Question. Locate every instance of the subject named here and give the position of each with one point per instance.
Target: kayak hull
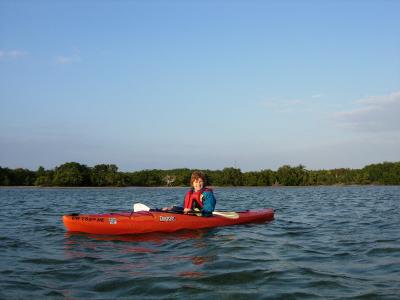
(156, 221)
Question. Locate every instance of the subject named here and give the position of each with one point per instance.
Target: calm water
(325, 243)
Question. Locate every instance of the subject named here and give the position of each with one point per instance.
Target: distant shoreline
(73, 174)
(187, 187)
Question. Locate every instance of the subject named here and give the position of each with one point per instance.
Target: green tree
(4, 176)
(183, 177)
(289, 176)
(72, 174)
(146, 178)
(384, 173)
(250, 178)
(16, 177)
(43, 177)
(231, 177)
(105, 175)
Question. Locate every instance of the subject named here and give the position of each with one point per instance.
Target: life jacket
(193, 199)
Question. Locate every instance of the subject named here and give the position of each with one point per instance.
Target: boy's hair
(196, 175)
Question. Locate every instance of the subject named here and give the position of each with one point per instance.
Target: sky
(199, 84)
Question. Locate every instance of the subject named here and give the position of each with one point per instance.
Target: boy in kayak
(198, 198)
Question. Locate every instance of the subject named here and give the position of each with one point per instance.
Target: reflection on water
(155, 237)
(129, 254)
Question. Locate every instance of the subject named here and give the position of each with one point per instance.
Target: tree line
(73, 174)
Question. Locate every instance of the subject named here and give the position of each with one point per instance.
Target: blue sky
(199, 84)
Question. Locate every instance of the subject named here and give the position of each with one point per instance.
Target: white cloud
(16, 53)
(317, 96)
(306, 104)
(375, 114)
(63, 60)
(283, 105)
(12, 54)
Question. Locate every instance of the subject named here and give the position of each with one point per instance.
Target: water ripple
(325, 243)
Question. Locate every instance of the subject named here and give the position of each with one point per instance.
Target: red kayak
(158, 221)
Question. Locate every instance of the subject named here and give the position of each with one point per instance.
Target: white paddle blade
(227, 214)
(140, 207)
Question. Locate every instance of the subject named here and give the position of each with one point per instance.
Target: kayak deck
(156, 221)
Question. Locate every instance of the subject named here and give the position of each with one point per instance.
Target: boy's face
(198, 184)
